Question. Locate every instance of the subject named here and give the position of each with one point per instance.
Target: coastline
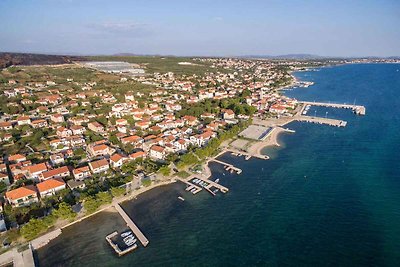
(270, 141)
(44, 239)
(255, 150)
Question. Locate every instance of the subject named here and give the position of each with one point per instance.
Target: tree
(246, 93)
(117, 191)
(3, 186)
(79, 152)
(91, 204)
(104, 197)
(36, 226)
(64, 211)
(102, 120)
(165, 170)
(114, 139)
(129, 167)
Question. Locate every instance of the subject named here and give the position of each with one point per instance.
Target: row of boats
(128, 238)
(306, 109)
(199, 182)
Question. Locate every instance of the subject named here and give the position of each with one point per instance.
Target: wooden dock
(142, 238)
(359, 110)
(191, 186)
(228, 166)
(236, 152)
(210, 183)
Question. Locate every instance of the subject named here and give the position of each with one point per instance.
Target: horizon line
(120, 54)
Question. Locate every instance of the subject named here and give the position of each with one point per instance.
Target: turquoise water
(328, 197)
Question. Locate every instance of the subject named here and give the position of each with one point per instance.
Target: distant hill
(288, 56)
(8, 59)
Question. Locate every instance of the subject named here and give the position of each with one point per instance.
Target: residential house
(34, 171)
(39, 123)
(16, 158)
(157, 152)
(133, 139)
(228, 114)
(96, 127)
(100, 150)
(50, 187)
(4, 178)
(202, 139)
(63, 132)
(99, 166)
(60, 172)
(23, 120)
(137, 155)
(181, 145)
(6, 125)
(57, 118)
(81, 173)
(116, 160)
(72, 184)
(57, 159)
(23, 196)
(77, 129)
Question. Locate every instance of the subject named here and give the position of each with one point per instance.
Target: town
(75, 136)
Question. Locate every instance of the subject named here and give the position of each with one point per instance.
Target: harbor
(358, 109)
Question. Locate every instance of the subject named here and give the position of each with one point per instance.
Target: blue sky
(202, 27)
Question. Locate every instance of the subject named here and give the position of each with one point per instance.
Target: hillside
(8, 59)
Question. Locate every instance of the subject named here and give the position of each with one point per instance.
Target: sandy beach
(271, 140)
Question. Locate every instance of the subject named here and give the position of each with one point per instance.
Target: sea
(327, 197)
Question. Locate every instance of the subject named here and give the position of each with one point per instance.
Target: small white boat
(181, 198)
(130, 237)
(126, 234)
(217, 180)
(130, 242)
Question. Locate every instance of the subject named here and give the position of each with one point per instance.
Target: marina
(359, 110)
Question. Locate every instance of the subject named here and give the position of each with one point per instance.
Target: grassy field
(58, 74)
(162, 64)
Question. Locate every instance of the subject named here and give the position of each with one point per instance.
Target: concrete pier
(142, 238)
(359, 110)
(319, 120)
